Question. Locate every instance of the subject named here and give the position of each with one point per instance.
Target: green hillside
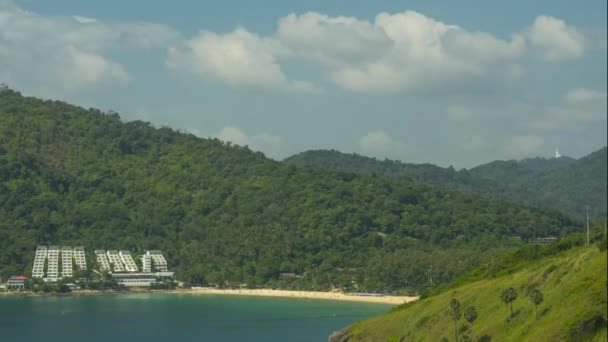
(222, 213)
(564, 184)
(573, 284)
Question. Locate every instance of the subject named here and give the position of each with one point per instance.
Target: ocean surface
(159, 317)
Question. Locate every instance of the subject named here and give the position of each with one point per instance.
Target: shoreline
(335, 296)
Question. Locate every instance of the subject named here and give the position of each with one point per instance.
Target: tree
(509, 295)
(536, 296)
(470, 314)
(455, 313)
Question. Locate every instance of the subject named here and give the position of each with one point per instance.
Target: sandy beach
(394, 300)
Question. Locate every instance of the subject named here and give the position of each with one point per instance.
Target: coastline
(335, 296)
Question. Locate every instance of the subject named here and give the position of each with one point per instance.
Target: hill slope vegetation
(572, 283)
(564, 184)
(224, 214)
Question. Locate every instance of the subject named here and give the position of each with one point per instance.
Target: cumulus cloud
(69, 52)
(332, 40)
(239, 58)
(379, 143)
(578, 108)
(376, 140)
(268, 143)
(429, 54)
(556, 41)
(524, 145)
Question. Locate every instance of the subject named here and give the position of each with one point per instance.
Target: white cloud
(524, 146)
(579, 108)
(429, 54)
(376, 140)
(557, 41)
(332, 40)
(379, 143)
(239, 58)
(84, 20)
(270, 144)
(69, 53)
(581, 95)
(88, 68)
(233, 135)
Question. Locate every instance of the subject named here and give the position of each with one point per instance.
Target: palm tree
(455, 313)
(470, 314)
(536, 296)
(509, 295)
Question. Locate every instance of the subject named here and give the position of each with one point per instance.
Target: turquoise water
(157, 317)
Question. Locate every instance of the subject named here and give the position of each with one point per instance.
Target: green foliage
(470, 314)
(455, 313)
(561, 184)
(574, 305)
(536, 296)
(508, 296)
(225, 214)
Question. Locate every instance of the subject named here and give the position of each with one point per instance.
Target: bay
(169, 317)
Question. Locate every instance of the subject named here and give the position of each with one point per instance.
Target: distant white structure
(81, 261)
(52, 273)
(66, 262)
(39, 261)
(557, 155)
(115, 261)
(102, 260)
(146, 261)
(126, 258)
(160, 264)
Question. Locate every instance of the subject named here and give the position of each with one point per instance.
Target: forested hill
(565, 184)
(72, 176)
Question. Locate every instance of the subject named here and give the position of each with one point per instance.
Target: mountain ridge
(565, 184)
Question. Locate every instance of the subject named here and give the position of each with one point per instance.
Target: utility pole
(587, 207)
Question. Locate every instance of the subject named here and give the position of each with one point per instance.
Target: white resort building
(66, 262)
(39, 261)
(160, 264)
(120, 264)
(46, 262)
(102, 260)
(52, 273)
(126, 258)
(79, 258)
(115, 261)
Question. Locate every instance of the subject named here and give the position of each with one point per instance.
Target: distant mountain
(223, 213)
(565, 184)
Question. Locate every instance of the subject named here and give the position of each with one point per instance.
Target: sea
(176, 317)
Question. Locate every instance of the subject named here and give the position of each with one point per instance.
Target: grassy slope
(575, 290)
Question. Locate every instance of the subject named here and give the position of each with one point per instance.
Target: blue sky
(418, 81)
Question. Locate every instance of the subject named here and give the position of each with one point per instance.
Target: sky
(450, 83)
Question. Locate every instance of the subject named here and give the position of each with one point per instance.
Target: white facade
(127, 260)
(52, 273)
(115, 261)
(39, 261)
(102, 260)
(146, 261)
(160, 263)
(66, 262)
(79, 258)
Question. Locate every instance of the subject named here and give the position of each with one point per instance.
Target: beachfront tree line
(224, 214)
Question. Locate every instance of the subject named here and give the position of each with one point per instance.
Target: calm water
(144, 317)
